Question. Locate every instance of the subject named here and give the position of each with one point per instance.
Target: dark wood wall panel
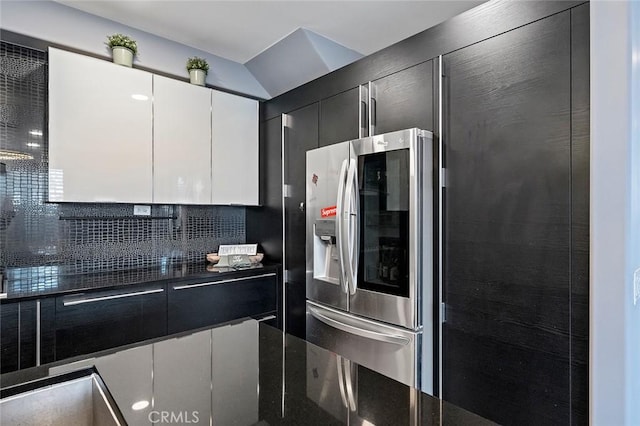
(487, 20)
(580, 214)
(507, 234)
(264, 223)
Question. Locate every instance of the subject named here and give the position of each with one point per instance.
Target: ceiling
(240, 30)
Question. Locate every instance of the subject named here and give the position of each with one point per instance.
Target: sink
(78, 398)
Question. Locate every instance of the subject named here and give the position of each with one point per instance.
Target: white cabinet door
(234, 149)
(181, 142)
(100, 123)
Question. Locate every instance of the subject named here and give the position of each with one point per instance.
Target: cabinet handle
(267, 318)
(38, 333)
(114, 296)
(373, 93)
(188, 286)
(363, 114)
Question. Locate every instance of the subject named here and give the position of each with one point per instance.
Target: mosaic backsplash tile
(83, 238)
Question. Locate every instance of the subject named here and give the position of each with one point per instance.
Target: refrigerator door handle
(348, 375)
(340, 242)
(395, 339)
(350, 232)
(343, 394)
(355, 221)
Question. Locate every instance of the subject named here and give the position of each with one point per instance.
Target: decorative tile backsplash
(82, 237)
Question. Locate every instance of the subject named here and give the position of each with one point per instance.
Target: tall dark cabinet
(264, 223)
(507, 213)
(515, 112)
(300, 136)
(580, 116)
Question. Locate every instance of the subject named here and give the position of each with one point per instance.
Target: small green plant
(197, 63)
(121, 40)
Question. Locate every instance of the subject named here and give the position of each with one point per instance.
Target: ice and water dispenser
(326, 260)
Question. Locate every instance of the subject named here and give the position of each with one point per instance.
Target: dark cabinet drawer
(202, 304)
(95, 321)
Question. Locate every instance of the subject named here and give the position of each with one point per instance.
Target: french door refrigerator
(369, 273)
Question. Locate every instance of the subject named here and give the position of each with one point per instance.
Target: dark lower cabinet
(91, 322)
(9, 340)
(191, 306)
(17, 335)
(83, 323)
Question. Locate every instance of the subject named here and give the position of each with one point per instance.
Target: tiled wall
(84, 237)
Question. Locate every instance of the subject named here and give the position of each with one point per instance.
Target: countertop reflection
(248, 373)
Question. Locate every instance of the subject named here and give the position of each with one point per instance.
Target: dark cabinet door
(9, 340)
(100, 320)
(508, 225)
(197, 305)
(264, 223)
(301, 135)
(404, 99)
(339, 117)
(28, 334)
(17, 335)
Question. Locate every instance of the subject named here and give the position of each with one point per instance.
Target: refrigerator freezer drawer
(388, 350)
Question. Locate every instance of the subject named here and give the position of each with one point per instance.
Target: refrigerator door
(326, 176)
(388, 350)
(394, 201)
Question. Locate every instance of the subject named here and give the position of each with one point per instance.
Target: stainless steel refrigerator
(369, 273)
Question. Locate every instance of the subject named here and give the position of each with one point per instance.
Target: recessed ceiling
(240, 30)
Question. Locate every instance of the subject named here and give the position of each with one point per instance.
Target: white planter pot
(122, 56)
(197, 77)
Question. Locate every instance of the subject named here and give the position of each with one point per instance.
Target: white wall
(615, 213)
(67, 26)
(633, 237)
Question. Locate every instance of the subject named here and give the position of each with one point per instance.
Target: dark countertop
(39, 281)
(247, 373)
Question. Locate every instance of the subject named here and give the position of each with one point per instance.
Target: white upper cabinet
(100, 131)
(234, 149)
(121, 135)
(181, 142)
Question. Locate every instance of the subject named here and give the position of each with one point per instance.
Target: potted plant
(123, 49)
(198, 69)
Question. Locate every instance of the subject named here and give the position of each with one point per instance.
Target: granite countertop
(246, 373)
(38, 281)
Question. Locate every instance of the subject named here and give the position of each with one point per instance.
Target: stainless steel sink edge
(77, 397)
